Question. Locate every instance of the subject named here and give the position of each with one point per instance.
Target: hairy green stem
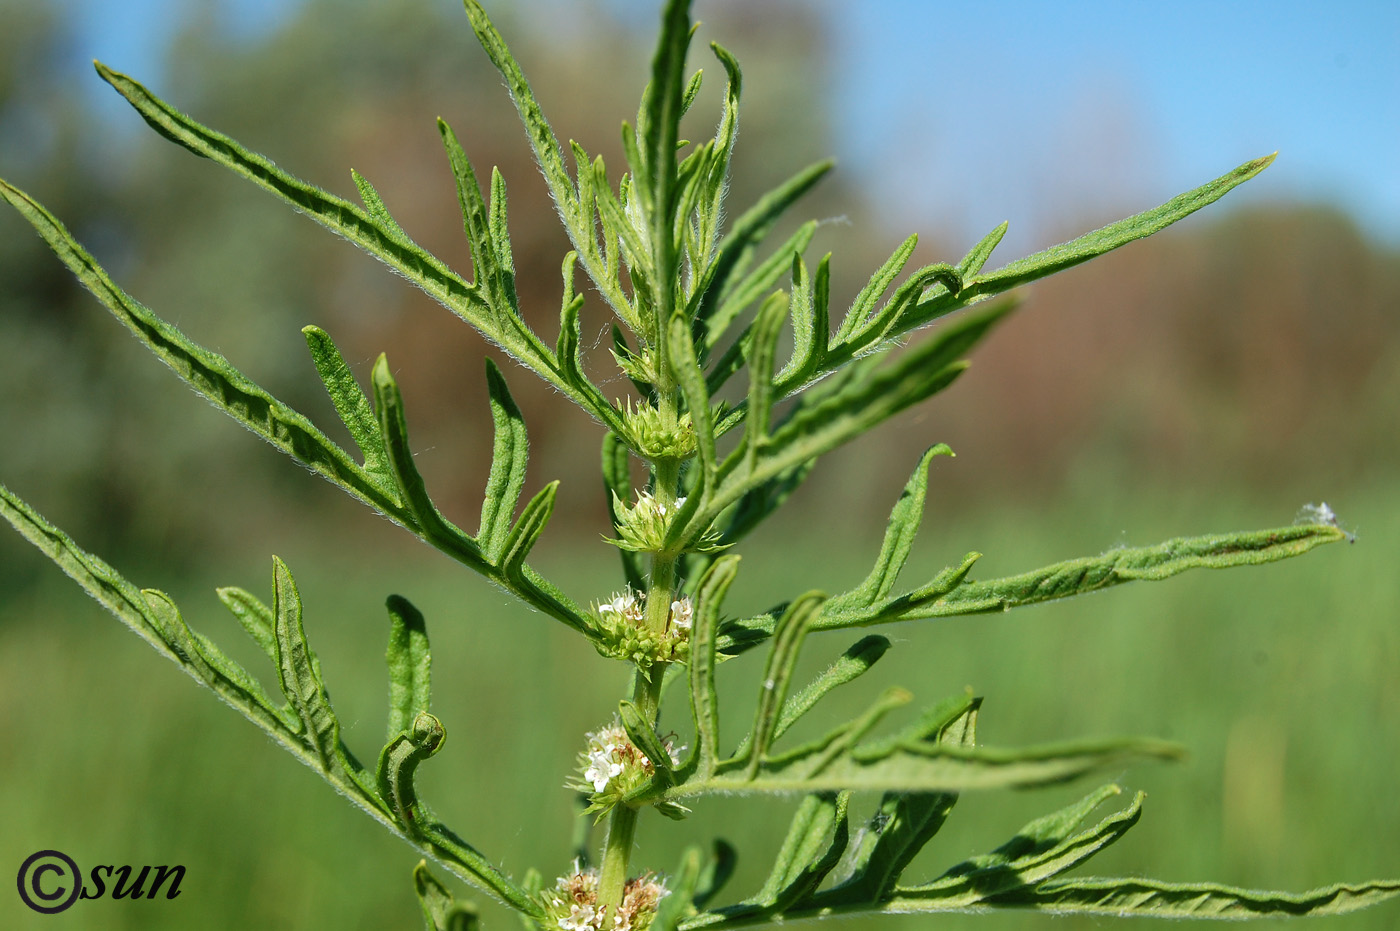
(646, 691)
(617, 850)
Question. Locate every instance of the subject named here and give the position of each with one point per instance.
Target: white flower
(602, 767)
(627, 606)
(581, 918)
(607, 748)
(681, 612)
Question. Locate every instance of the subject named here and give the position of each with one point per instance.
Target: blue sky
(1046, 114)
(1143, 98)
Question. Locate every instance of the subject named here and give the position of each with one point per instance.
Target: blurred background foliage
(1215, 377)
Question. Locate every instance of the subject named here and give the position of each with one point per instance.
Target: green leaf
(849, 666)
(209, 664)
(645, 739)
(387, 244)
(548, 152)
(814, 844)
(978, 255)
(863, 396)
(398, 762)
(1094, 573)
(300, 673)
(527, 530)
(949, 596)
(153, 617)
(712, 186)
(762, 349)
(839, 761)
(901, 606)
(678, 903)
(704, 703)
(692, 90)
(477, 222)
(491, 313)
(599, 253)
(879, 325)
(207, 372)
(566, 348)
(1068, 254)
(620, 232)
(350, 402)
(903, 525)
(1108, 238)
(1043, 849)
(500, 235)
(782, 658)
(906, 821)
(879, 283)
(426, 518)
(568, 354)
(509, 457)
(810, 326)
(1153, 898)
(744, 236)
(410, 665)
(441, 912)
(214, 377)
(617, 486)
(750, 288)
(686, 369)
(375, 205)
(257, 618)
(664, 104)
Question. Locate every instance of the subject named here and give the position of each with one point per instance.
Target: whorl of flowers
(611, 766)
(623, 633)
(572, 905)
(653, 439)
(642, 528)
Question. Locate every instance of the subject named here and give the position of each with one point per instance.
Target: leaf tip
(1253, 167)
(382, 377)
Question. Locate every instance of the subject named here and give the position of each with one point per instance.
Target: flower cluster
(642, 528)
(572, 905)
(655, 440)
(623, 633)
(612, 766)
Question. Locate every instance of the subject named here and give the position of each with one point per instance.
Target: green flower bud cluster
(654, 439)
(642, 528)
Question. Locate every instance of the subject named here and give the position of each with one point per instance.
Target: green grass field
(1281, 681)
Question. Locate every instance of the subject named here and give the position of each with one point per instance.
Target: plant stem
(646, 695)
(617, 850)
